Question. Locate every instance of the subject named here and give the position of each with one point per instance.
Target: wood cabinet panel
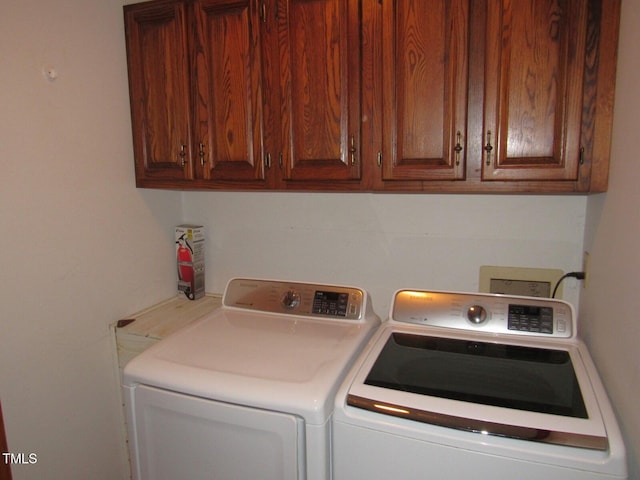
(228, 90)
(425, 78)
(319, 46)
(159, 85)
(535, 54)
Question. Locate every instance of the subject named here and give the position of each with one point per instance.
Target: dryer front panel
(180, 436)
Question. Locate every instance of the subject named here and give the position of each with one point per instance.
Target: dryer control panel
(485, 312)
(295, 298)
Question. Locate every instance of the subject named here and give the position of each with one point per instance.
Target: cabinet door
(319, 44)
(157, 46)
(425, 65)
(229, 98)
(534, 67)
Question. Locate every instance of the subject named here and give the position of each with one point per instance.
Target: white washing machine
(248, 391)
(463, 385)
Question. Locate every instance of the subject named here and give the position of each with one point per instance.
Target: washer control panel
(295, 298)
(486, 312)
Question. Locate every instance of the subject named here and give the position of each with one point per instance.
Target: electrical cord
(578, 275)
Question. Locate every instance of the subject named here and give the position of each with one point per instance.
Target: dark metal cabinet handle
(352, 150)
(182, 155)
(488, 147)
(201, 154)
(458, 148)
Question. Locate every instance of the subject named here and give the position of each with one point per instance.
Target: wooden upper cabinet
(196, 83)
(159, 86)
(319, 72)
(425, 81)
(461, 96)
(228, 107)
(534, 75)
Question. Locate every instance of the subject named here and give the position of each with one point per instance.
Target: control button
(290, 299)
(476, 314)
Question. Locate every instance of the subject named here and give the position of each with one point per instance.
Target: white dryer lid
(277, 362)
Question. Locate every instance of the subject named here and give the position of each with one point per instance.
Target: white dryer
(247, 392)
(465, 385)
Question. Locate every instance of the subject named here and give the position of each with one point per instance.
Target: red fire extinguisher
(185, 265)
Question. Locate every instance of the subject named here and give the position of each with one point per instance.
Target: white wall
(384, 241)
(610, 299)
(81, 247)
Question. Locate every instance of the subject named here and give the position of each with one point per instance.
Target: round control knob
(476, 314)
(290, 300)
